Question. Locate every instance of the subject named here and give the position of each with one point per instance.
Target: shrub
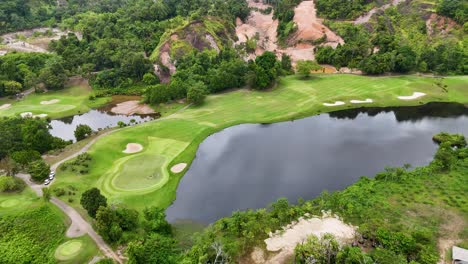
(91, 200)
(82, 132)
(39, 170)
(196, 94)
(11, 184)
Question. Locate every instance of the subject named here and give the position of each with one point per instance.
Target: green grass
(76, 250)
(176, 139)
(72, 100)
(32, 230)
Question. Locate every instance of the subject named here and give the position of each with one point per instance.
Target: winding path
(79, 226)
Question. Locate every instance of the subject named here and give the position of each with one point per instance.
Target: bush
(39, 170)
(91, 200)
(11, 184)
(196, 94)
(59, 192)
(82, 132)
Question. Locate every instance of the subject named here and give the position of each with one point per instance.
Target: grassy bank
(72, 100)
(32, 230)
(175, 139)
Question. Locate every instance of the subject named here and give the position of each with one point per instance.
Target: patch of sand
(178, 168)
(309, 27)
(5, 106)
(337, 103)
(367, 101)
(53, 101)
(366, 17)
(40, 115)
(297, 232)
(131, 108)
(26, 114)
(133, 148)
(415, 95)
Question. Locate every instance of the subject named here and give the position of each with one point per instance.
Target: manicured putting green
(139, 172)
(68, 250)
(9, 203)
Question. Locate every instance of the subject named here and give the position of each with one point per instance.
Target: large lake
(252, 165)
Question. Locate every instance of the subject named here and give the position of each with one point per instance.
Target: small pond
(101, 118)
(252, 165)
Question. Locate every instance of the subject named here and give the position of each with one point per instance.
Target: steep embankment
(208, 33)
(310, 32)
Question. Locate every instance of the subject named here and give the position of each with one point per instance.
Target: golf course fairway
(54, 104)
(144, 179)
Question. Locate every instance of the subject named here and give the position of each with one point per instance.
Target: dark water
(97, 119)
(252, 165)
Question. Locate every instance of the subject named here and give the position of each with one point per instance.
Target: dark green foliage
(196, 93)
(91, 200)
(455, 9)
(352, 255)
(111, 223)
(20, 71)
(11, 184)
(53, 74)
(24, 157)
(78, 165)
(82, 131)
(105, 261)
(337, 9)
(31, 236)
(17, 134)
(155, 221)
(155, 248)
(39, 170)
(265, 70)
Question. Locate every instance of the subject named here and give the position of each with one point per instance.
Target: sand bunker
(334, 104)
(415, 95)
(26, 114)
(133, 148)
(178, 168)
(367, 101)
(5, 106)
(53, 101)
(300, 231)
(131, 108)
(29, 114)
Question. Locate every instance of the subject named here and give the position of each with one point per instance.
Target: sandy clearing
(309, 27)
(41, 115)
(367, 101)
(178, 168)
(53, 101)
(298, 232)
(337, 103)
(132, 107)
(415, 95)
(133, 148)
(5, 106)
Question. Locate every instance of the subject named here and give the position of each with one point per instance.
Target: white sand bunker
(412, 97)
(367, 101)
(26, 114)
(131, 108)
(298, 232)
(29, 114)
(133, 148)
(5, 106)
(178, 168)
(53, 101)
(337, 103)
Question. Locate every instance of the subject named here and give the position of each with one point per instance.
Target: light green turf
(72, 100)
(68, 250)
(17, 202)
(176, 139)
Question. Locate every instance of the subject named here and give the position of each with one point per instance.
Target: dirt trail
(366, 17)
(450, 230)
